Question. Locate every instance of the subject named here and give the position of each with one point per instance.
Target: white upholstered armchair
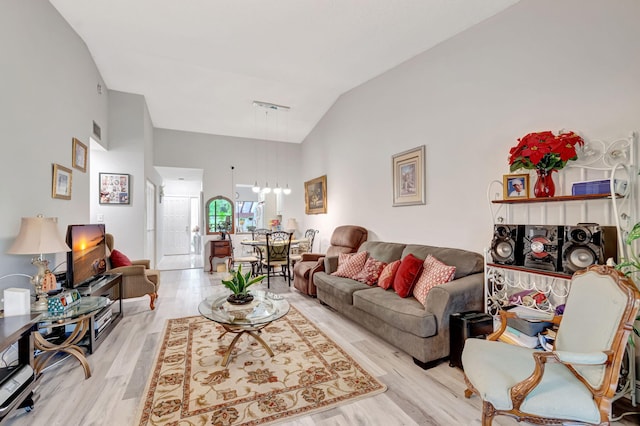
(577, 380)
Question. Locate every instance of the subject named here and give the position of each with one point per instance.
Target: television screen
(87, 257)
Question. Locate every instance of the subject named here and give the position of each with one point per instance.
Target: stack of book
(526, 329)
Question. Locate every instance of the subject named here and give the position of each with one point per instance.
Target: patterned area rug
(308, 373)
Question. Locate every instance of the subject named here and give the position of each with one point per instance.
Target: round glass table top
(265, 307)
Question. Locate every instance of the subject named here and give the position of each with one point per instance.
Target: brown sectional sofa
(421, 331)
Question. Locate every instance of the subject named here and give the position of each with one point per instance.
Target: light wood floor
(122, 364)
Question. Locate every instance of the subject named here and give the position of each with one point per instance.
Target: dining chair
(305, 245)
(246, 258)
(278, 250)
(259, 234)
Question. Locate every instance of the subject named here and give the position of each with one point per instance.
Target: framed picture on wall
(79, 157)
(61, 182)
(515, 186)
(408, 169)
(114, 188)
(315, 195)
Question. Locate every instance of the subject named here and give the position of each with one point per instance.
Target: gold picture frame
(315, 195)
(511, 192)
(61, 182)
(409, 177)
(79, 156)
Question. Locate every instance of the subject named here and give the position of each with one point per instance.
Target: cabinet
(614, 160)
(220, 249)
(17, 329)
(101, 324)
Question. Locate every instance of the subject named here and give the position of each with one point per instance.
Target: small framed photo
(409, 177)
(315, 195)
(79, 155)
(114, 188)
(515, 187)
(61, 182)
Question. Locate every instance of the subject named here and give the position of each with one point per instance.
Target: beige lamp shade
(292, 225)
(38, 235)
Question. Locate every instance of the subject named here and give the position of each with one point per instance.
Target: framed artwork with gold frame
(315, 195)
(79, 155)
(515, 187)
(409, 181)
(61, 182)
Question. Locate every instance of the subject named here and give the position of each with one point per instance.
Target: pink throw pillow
(350, 264)
(385, 280)
(119, 259)
(433, 274)
(407, 274)
(371, 271)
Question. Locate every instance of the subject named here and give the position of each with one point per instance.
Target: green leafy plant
(630, 266)
(239, 282)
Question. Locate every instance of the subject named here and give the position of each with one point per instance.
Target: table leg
(69, 345)
(225, 359)
(262, 342)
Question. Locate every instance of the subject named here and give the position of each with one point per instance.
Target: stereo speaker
(541, 247)
(506, 246)
(587, 244)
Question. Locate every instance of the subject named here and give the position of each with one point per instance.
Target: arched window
(219, 214)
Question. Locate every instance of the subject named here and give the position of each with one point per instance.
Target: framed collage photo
(515, 187)
(114, 188)
(409, 181)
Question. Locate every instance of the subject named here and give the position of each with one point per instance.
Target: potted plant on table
(238, 284)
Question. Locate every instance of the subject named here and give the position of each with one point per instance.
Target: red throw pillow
(370, 272)
(408, 272)
(385, 280)
(119, 259)
(433, 274)
(350, 264)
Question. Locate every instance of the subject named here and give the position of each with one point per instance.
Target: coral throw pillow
(371, 271)
(433, 274)
(408, 272)
(350, 264)
(118, 259)
(385, 280)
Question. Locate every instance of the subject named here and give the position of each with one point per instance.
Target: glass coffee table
(249, 318)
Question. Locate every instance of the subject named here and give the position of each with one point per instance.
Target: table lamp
(39, 235)
(292, 225)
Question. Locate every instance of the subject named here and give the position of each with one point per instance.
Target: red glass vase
(544, 186)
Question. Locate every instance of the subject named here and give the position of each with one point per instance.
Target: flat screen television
(87, 258)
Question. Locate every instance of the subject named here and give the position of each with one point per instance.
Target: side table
(79, 316)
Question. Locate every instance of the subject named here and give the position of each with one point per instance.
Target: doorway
(181, 218)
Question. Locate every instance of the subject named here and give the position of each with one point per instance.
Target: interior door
(150, 235)
(176, 235)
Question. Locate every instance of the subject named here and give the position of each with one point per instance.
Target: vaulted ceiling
(200, 64)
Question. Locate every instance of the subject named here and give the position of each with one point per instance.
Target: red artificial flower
(544, 150)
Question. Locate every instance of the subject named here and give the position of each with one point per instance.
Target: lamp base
(40, 304)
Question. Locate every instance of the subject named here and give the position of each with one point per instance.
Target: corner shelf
(559, 198)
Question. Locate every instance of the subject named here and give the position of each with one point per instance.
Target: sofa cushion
(466, 262)
(370, 272)
(433, 273)
(386, 252)
(338, 287)
(119, 259)
(385, 280)
(404, 314)
(408, 272)
(350, 264)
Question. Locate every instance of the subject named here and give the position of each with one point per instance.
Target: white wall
(48, 83)
(252, 159)
(539, 65)
(130, 141)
